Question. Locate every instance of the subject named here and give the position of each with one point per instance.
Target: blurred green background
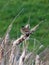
(38, 10)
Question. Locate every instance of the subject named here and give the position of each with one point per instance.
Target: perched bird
(25, 29)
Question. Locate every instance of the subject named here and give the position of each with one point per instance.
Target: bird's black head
(22, 26)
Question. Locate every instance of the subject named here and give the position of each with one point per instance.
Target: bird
(25, 29)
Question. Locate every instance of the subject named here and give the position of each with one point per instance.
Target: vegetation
(38, 10)
(34, 49)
